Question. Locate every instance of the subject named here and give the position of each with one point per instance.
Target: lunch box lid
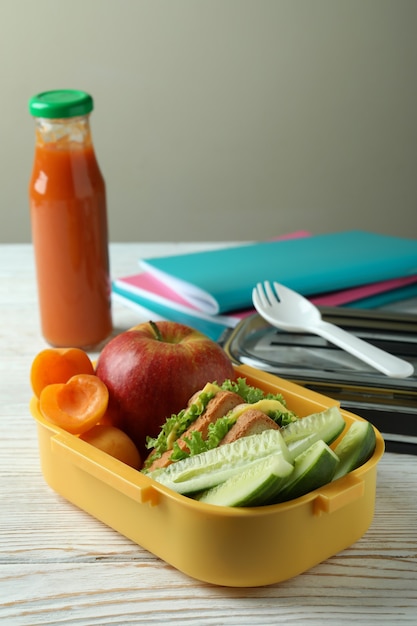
(389, 403)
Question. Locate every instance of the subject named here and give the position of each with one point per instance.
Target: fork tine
(266, 290)
(271, 295)
(258, 295)
(278, 289)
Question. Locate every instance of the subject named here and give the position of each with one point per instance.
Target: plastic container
(239, 547)
(69, 222)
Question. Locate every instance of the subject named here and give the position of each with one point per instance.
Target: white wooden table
(60, 566)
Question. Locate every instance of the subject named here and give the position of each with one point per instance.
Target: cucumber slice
(299, 445)
(210, 468)
(253, 486)
(355, 448)
(313, 468)
(326, 425)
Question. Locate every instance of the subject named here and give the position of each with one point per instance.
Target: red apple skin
(149, 379)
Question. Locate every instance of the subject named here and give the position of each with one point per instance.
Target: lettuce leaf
(175, 426)
(196, 444)
(281, 418)
(249, 393)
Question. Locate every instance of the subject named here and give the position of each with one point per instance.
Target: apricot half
(58, 365)
(77, 405)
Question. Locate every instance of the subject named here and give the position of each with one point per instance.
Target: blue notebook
(218, 281)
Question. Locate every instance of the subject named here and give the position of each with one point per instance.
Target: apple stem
(156, 331)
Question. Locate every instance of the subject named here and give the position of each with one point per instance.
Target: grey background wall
(223, 119)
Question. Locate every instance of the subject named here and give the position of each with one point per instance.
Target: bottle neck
(63, 134)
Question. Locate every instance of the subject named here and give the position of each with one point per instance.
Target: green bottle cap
(61, 103)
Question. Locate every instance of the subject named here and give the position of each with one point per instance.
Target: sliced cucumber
(313, 468)
(210, 468)
(299, 445)
(254, 486)
(326, 425)
(355, 448)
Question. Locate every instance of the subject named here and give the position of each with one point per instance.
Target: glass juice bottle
(69, 222)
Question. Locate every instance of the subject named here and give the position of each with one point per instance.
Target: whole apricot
(115, 442)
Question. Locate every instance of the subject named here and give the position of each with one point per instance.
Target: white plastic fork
(288, 310)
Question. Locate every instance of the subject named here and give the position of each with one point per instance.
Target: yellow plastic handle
(105, 468)
(336, 495)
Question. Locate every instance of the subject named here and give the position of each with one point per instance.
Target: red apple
(152, 370)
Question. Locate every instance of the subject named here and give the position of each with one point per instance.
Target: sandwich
(214, 416)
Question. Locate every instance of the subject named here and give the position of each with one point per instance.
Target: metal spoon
(288, 310)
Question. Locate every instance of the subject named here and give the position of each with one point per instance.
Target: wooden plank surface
(58, 565)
